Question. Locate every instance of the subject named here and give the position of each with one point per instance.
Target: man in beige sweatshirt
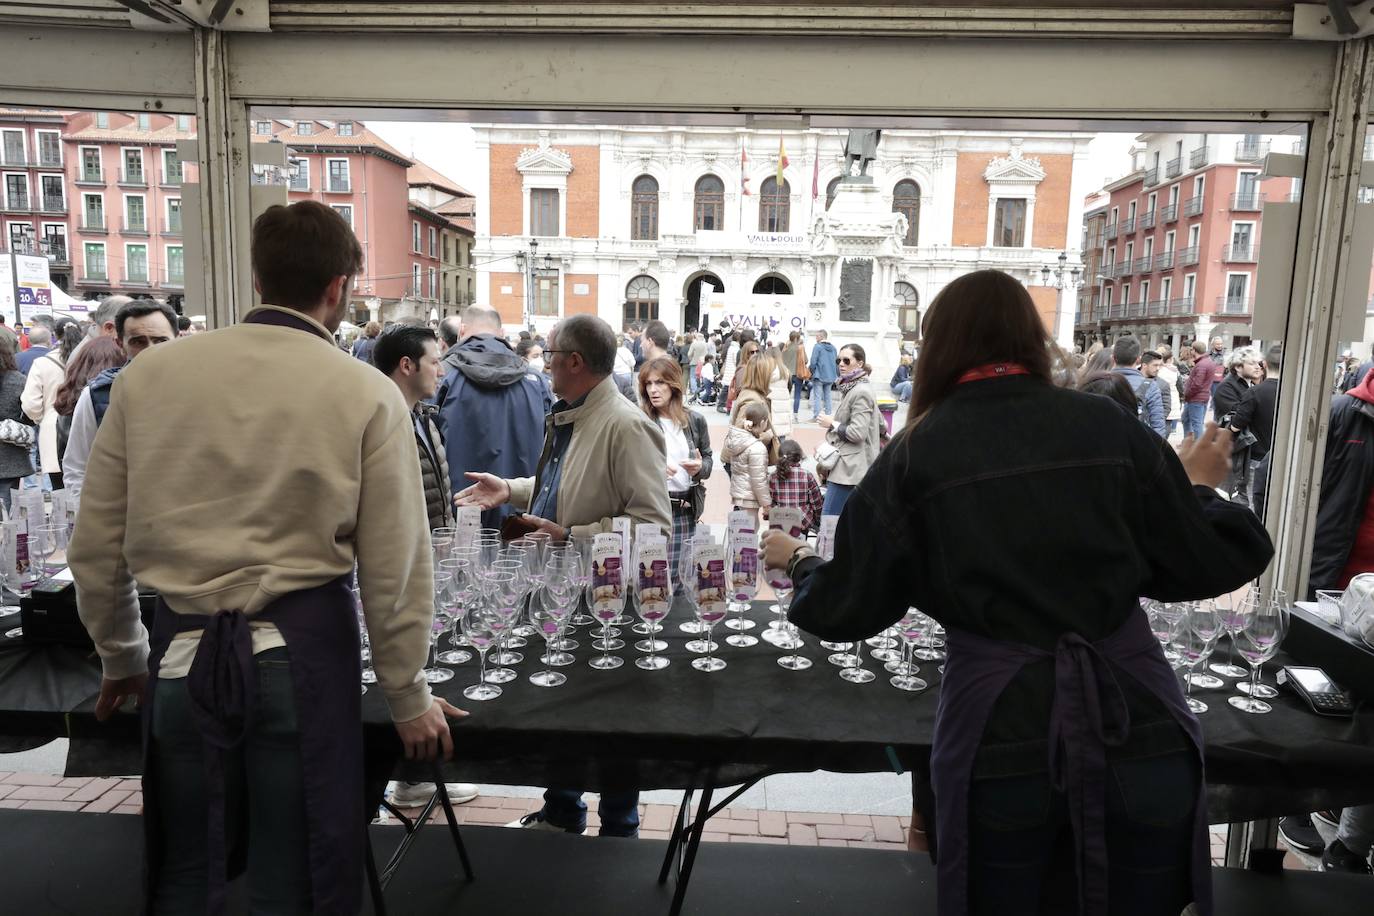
(240, 474)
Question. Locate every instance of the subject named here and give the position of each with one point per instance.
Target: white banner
(32, 287)
(779, 314)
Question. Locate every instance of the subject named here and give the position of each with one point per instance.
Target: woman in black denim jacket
(1014, 512)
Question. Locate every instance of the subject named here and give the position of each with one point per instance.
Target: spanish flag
(782, 160)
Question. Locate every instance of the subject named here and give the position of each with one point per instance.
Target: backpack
(1141, 413)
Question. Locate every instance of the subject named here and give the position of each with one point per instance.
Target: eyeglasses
(548, 352)
(845, 361)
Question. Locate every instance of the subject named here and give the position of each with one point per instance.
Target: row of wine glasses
(1188, 632)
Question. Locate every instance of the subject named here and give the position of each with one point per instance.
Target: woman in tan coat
(40, 392)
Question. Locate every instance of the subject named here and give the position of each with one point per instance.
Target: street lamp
(530, 265)
(1062, 278)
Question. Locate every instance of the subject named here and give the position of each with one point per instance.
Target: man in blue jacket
(824, 371)
(491, 407)
(1126, 356)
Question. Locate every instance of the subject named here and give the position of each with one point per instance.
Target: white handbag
(827, 456)
(12, 432)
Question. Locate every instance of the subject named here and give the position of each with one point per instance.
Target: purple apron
(320, 628)
(1089, 714)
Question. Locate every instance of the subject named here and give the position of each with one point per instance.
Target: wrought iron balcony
(1110, 231)
(1147, 219)
(54, 205)
(1164, 261)
(1168, 214)
(1128, 226)
(1187, 256)
(1181, 306)
(1234, 305)
(1197, 158)
(94, 179)
(1247, 200)
(1251, 149)
(1192, 206)
(1157, 307)
(1142, 265)
(1125, 268)
(1174, 167)
(171, 226)
(1240, 254)
(93, 223)
(16, 202)
(1151, 177)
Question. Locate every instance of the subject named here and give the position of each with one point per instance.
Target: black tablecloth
(681, 727)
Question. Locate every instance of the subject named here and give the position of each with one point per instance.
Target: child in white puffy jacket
(750, 447)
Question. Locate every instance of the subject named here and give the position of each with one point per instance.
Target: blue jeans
(1356, 831)
(820, 391)
(1194, 416)
(1021, 855)
(619, 811)
(693, 383)
(797, 386)
(264, 796)
(1169, 427)
(836, 495)
(903, 391)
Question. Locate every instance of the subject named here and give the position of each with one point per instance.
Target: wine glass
(790, 640)
(460, 597)
(1206, 618)
(482, 636)
(503, 603)
(709, 600)
(580, 553)
(910, 629)
(442, 541)
(548, 620)
(651, 612)
(1260, 690)
(684, 572)
(1193, 640)
(45, 543)
(930, 644)
(856, 673)
(443, 599)
(561, 594)
(1232, 619)
(607, 600)
(688, 576)
(742, 561)
(1265, 627)
(369, 676)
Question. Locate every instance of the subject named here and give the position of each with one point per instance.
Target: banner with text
(32, 288)
(779, 314)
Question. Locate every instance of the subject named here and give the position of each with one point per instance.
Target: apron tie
(222, 682)
(1089, 715)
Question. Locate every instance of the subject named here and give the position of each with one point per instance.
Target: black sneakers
(1300, 834)
(1338, 858)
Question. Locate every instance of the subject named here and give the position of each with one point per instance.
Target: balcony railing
(1157, 307)
(14, 159)
(1151, 176)
(1125, 268)
(1174, 167)
(1142, 265)
(1181, 306)
(136, 227)
(1251, 150)
(1192, 206)
(54, 205)
(1164, 261)
(1136, 309)
(92, 223)
(135, 279)
(49, 162)
(1240, 254)
(1187, 256)
(175, 279)
(1233, 305)
(102, 275)
(1168, 214)
(135, 179)
(17, 202)
(1197, 158)
(1247, 200)
(171, 226)
(1147, 219)
(92, 178)
(1110, 231)
(1128, 226)
(335, 186)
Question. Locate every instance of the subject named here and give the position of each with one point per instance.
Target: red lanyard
(993, 370)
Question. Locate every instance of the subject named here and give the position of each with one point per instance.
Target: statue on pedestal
(861, 146)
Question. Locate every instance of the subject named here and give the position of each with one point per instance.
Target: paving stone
(41, 793)
(34, 779)
(10, 803)
(888, 830)
(801, 835)
(767, 840)
(655, 834)
(773, 823)
(129, 809)
(490, 816)
(742, 814)
(93, 790)
(53, 805)
(843, 832)
(868, 844)
(6, 789)
(715, 837)
(843, 843)
(858, 820)
(657, 818)
(75, 782)
(720, 824)
(107, 802)
(814, 817)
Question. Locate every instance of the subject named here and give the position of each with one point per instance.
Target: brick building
(445, 205)
(628, 221)
(124, 183)
(34, 203)
(1182, 237)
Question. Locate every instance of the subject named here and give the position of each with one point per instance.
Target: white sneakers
(534, 822)
(416, 794)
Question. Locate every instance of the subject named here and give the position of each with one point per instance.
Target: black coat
(1256, 413)
(700, 439)
(1228, 396)
(1347, 476)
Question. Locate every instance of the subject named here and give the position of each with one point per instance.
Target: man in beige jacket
(602, 458)
(241, 474)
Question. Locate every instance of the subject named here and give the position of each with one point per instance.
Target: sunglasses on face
(845, 360)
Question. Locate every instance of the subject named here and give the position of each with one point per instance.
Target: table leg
(442, 793)
(412, 829)
(690, 855)
(676, 838)
(374, 882)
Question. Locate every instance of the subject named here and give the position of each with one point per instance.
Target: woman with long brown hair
(95, 357)
(687, 442)
(755, 378)
(1010, 510)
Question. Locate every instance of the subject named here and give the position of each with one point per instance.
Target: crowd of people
(371, 444)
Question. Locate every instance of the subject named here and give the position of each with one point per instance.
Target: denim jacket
(1021, 512)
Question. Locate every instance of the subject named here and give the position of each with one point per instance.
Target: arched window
(906, 200)
(774, 205)
(830, 190)
(709, 209)
(644, 208)
(908, 313)
(641, 299)
(772, 285)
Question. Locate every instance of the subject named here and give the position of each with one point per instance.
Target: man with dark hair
(492, 406)
(1149, 407)
(1151, 362)
(654, 343)
(139, 324)
(450, 332)
(611, 457)
(1198, 390)
(242, 475)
